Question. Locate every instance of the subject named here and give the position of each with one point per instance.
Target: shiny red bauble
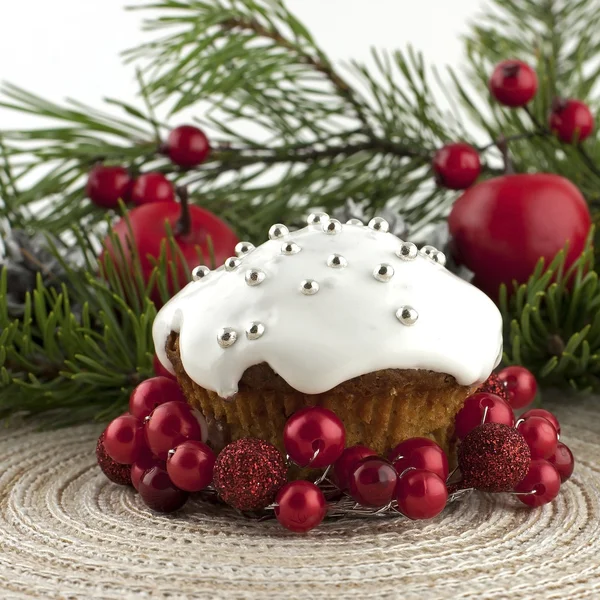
(314, 436)
(208, 236)
(124, 439)
(187, 146)
(521, 385)
(476, 406)
(347, 462)
(456, 166)
(159, 493)
(300, 506)
(421, 494)
(143, 463)
(540, 435)
(541, 484)
(160, 370)
(373, 482)
(152, 393)
(420, 453)
(171, 424)
(563, 460)
(107, 185)
(116, 472)
(497, 231)
(542, 412)
(571, 120)
(190, 466)
(513, 83)
(152, 187)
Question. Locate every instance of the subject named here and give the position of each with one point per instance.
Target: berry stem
(184, 223)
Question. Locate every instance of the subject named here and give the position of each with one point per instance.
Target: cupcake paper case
(348, 317)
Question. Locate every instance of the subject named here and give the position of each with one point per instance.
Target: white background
(70, 48)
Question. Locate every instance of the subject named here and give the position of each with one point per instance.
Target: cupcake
(348, 317)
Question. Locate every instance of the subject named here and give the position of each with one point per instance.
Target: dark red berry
(107, 185)
(571, 120)
(563, 460)
(187, 146)
(513, 83)
(456, 166)
(344, 466)
(152, 187)
(124, 439)
(159, 493)
(373, 482)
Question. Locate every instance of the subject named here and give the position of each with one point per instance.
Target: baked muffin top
(328, 303)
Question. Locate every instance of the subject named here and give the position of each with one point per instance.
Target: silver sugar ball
(317, 218)
(232, 263)
(428, 250)
(309, 287)
(383, 272)
(200, 272)
(332, 227)
(379, 224)
(243, 248)
(254, 277)
(278, 231)
(407, 251)
(356, 222)
(407, 315)
(438, 257)
(290, 248)
(226, 337)
(255, 330)
(336, 261)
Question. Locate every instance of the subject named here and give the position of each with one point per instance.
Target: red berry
(471, 414)
(420, 453)
(456, 166)
(346, 463)
(113, 470)
(314, 432)
(152, 187)
(187, 146)
(513, 83)
(543, 479)
(563, 460)
(300, 506)
(190, 466)
(546, 414)
(159, 493)
(421, 494)
(496, 233)
(571, 120)
(540, 435)
(160, 370)
(171, 424)
(493, 385)
(124, 439)
(143, 463)
(107, 185)
(373, 482)
(151, 393)
(521, 385)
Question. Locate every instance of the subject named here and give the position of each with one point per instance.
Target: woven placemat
(66, 532)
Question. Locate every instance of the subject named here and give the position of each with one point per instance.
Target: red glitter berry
(116, 472)
(493, 458)
(248, 474)
(492, 385)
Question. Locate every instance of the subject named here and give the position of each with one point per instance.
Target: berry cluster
(513, 84)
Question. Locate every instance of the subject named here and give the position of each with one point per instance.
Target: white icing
(348, 327)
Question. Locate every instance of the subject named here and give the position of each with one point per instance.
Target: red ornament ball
(421, 494)
(420, 453)
(476, 406)
(314, 436)
(513, 83)
(152, 187)
(494, 385)
(124, 439)
(571, 120)
(373, 482)
(540, 435)
(344, 466)
(563, 460)
(248, 473)
(187, 146)
(493, 458)
(143, 463)
(152, 393)
(159, 493)
(160, 370)
(456, 166)
(107, 185)
(190, 466)
(116, 472)
(541, 484)
(496, 232)
(521, 385)
(300, 506)
(546, 414)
